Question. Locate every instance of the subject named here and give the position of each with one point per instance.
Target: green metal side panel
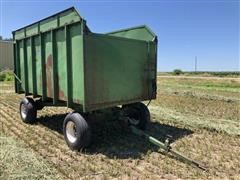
(140, 33)
(116, 71)
(49, 58)
(55, 21)
(61, 64)
(77, 67)
(17, 67)
(48, 64)
(19, 34)
(60, 53)
(37, 73)
(68, 17)
(29, 60)
(66, 76)
(32, 30)
(152, 69)
(48, 24)
(21, 60)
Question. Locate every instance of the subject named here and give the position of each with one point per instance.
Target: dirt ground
(200, 114)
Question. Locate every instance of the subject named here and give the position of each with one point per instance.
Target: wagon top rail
(60, 19)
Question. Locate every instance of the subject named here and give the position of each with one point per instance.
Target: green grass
(205, 73)
(232, 85)
(211, 87)
(193, 121)
(6, 76)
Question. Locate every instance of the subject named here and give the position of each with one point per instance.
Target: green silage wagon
(58, 61)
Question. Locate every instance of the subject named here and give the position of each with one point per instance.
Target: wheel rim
(134, 117)
(23, 111)
(71, 131)
(134, 121)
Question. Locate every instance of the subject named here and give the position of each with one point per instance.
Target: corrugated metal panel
(6, 55)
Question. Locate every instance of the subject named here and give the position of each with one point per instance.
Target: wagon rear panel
(117, 71)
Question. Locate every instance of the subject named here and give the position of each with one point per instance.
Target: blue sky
(185, 29)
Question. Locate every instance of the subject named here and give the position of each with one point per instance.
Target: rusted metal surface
(61, 94)
(49, 67)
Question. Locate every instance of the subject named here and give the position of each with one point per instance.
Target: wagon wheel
(77, 132)
(28, 110)
(137, 113)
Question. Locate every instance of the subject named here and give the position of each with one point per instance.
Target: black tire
(77, 132)
(138, 114)
(28, 110)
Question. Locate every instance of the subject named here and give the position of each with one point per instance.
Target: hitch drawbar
(166, 147)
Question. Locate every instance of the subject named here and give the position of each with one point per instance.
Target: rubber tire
(143, 114)
(83, 131)
(31, 110)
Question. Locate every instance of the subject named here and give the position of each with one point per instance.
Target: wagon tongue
(166, 147)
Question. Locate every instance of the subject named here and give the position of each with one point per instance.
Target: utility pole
(195, 63)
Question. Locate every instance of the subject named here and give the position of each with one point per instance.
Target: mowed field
(201, 115)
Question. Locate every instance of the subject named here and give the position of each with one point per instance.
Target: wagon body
(61, 61)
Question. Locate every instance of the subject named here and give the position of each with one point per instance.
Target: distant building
(6, 55)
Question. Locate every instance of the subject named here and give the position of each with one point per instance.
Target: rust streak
(49, 72)
(60, 92)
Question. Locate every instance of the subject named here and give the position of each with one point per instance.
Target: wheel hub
(71, 131)
(23, 111)
(134, 118)
(133, 121)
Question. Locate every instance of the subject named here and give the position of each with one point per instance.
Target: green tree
(177, 71)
